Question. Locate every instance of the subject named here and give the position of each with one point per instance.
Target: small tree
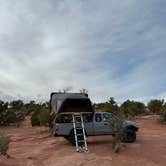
(3, 105)
(11, 118)
(17, 104)
(155, 106)
(132, 108)
(109, 106)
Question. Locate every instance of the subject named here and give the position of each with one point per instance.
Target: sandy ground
(36, 147)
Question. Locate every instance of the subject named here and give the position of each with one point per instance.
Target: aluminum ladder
(79, 132)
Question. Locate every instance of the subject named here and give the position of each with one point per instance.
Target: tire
(71, 137)
(129, 136)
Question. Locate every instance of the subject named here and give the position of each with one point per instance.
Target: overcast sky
(110, 47)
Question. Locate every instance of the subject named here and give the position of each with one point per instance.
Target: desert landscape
(34, 146)
(92, 71)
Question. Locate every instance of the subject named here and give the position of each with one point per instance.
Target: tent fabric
(70, 102)
(76, 105)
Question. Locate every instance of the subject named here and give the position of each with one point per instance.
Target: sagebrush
(163, 114)
(41, 117)
(4, 143)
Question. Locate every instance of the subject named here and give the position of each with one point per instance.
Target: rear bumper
(55, 134)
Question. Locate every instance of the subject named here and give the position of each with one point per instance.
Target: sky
(112, 48)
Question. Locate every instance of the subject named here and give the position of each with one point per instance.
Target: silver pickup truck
(98, 123)
(64, 105)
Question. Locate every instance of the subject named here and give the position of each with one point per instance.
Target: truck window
(64, 119)
(106, 117)
(88, 117)
(98, 118)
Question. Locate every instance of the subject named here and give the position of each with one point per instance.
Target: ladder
(79, 132)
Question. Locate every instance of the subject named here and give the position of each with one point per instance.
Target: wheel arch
(131, 127)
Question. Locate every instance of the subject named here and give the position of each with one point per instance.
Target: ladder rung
(81, 141)
(79, 128)
(79, 134)
(77, 116)
(76, 113)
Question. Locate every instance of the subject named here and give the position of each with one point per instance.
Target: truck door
(98, 124)
(107, 120)
(102, 124)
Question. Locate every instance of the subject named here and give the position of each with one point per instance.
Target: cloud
(111, 48)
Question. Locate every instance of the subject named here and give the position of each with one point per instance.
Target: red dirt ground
(33, 146)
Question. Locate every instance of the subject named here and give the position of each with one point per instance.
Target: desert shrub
(4, 143)
(11, 118)
(17, 104)
(132, 108)
(41, 118)
(7, 118)
(3, 107)
(118, 131)
(44, 118)
(109, 106)
(20, 116)
(155, 106)
(163, 114)
(128, 108)
(34, 118)
(32, 106)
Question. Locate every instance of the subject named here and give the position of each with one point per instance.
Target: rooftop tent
(70, 102)
(76, 105)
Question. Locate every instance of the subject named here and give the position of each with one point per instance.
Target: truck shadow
(98, 142)
(106, 139)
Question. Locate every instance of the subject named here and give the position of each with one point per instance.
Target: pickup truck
(97, 123)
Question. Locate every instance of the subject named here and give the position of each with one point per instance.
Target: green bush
(41, 118)
(163, 114)
(155, 106)
(34, 118)
(132, 108)
(11, 118)
(4, 143)
(7, 118)
(20, 116)
(17, 104)
(109, 106)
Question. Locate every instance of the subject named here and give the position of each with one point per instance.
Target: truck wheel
(129, 136)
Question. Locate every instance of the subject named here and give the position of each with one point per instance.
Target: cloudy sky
(110, 47)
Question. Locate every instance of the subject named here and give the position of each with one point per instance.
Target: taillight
(56, 128)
